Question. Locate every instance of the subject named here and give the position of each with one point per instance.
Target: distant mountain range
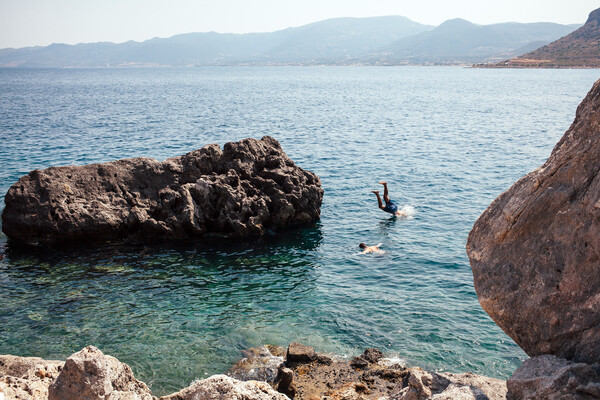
(391, 40)
(580, 48)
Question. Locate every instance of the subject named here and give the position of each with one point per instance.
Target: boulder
(284, 383)
(27, 378)
(91, 375)
(550, 377)
(535, 250)
(300, 353)
(222, 387)
(246, 189)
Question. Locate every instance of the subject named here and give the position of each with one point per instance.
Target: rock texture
(91, 375)
(245, 189)
(222, 387)
(27, 378)
(550, 377)
(535, 251)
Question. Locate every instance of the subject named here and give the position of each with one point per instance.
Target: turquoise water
(448, 141)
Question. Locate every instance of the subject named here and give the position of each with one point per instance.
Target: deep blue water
(448, 141)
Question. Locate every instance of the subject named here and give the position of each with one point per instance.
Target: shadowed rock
(243, 190)
(535, 251)
(550, 377)
(300, 353)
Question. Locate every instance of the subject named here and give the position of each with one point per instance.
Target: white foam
(408, 211)
(394, 360)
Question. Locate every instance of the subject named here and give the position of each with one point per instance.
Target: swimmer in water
(390, 205)
(370, 249)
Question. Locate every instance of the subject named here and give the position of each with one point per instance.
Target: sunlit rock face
(535, 251)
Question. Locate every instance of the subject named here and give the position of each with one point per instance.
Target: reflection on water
(176, 302)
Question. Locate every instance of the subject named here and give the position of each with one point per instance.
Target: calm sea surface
(448, 141)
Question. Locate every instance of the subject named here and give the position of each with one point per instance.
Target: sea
(448, 140)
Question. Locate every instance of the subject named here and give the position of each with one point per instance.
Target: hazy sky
(41, 22)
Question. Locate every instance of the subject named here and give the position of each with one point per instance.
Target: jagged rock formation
(550, 377)
(245, 189)
(535, 251)
(91, 375)
(27, 378)
(370, 376)
(580, 48)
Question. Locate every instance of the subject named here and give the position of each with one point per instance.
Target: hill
(578, 49)
(391, 40)
(325, 40)
(461, 41)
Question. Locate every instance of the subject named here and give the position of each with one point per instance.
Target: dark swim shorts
(391, 207)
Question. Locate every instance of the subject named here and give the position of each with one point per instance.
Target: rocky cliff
(535, 251)
(245, 189)
(579, 49)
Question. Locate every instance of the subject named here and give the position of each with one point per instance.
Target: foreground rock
(550, 377)
(245, 189)
(312, 376)
(27, 378)
(91, 375)
(221, 387)
(535, 251)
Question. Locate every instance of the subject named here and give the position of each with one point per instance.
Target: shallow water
(448, 141)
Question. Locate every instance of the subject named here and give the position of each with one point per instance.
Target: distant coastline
(372, 41)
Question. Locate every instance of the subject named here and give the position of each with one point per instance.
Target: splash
(407, 212)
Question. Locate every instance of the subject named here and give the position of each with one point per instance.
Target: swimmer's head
(362, 246)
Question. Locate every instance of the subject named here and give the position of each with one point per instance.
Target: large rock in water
(248, 187)
(535, 251)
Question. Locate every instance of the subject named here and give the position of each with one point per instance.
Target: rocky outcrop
(91, 375)
(535, 251)
(310, 375)
(550, 377)
(220, 387)
(245, 189)
(27, 378)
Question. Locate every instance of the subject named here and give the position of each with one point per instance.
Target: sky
(42, 22)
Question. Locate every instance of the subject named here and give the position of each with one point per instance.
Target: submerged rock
(550, 377)
(245, 189)
(535, 251)
(258, 364)
(91, 375)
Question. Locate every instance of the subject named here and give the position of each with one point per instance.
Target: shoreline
(297, 372)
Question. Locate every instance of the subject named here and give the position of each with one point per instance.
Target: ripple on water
(448, 141)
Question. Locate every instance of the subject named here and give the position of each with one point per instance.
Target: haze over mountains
(391, 40)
